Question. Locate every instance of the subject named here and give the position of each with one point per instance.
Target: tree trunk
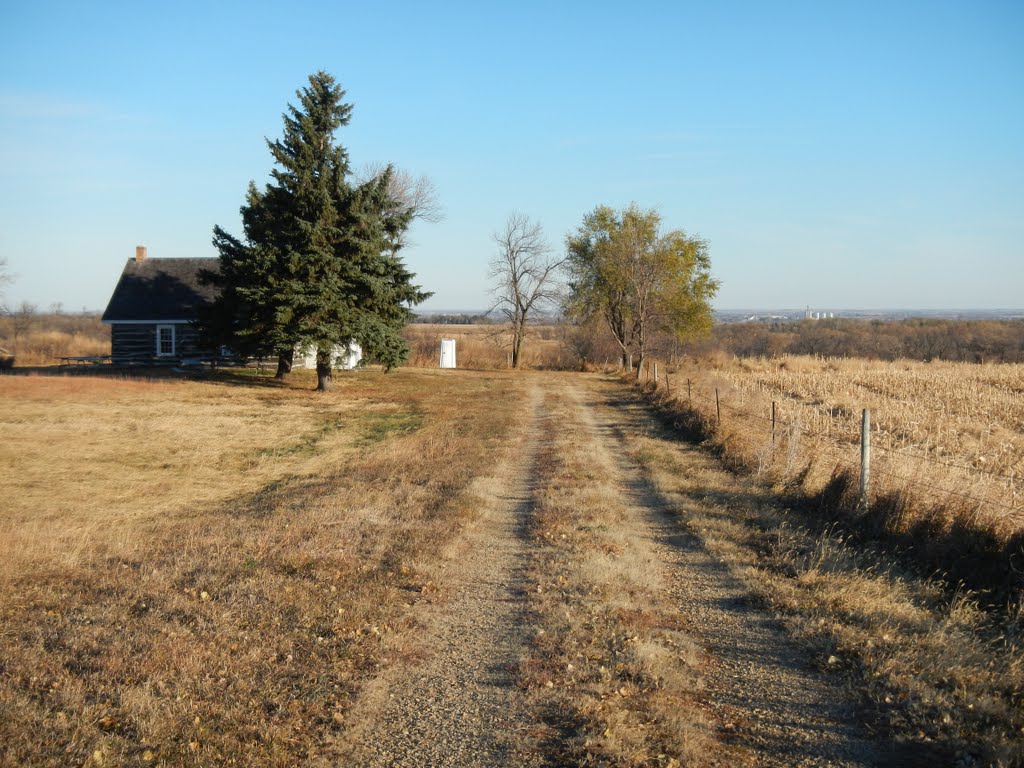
(323, 370)
(284, 363)
(516, 344)
(639, 366)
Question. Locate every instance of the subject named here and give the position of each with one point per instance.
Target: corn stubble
(947, 450)
(210, 571)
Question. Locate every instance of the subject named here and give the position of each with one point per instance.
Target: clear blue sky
(853, 154)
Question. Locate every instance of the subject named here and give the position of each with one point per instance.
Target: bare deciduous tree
(522, 270)
(416, 195)
(5, 276)
(22, 319)
(419, 195)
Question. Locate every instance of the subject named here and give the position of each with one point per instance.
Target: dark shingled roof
(160, 289)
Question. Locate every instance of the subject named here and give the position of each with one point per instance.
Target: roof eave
(146, 322)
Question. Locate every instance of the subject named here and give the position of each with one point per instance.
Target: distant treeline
(974, 341)
(42, 337)
(463, 318)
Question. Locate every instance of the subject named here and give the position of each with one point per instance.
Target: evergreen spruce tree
(319, 265)
(247, 316)
(384, 286)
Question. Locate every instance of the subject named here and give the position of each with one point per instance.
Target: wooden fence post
(718, 407)
(655, 373)
(865, 455)
(688, 397)
(668, 384)
(773, 422)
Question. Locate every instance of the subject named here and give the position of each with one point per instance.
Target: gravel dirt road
(460, 706)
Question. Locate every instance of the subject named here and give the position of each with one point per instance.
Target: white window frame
(174, 340)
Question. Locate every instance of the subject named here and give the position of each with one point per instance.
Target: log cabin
(153, 311)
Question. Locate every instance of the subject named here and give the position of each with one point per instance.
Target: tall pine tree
(319, 265)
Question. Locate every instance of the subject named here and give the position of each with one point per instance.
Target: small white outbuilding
(346, 357)
(447, 353)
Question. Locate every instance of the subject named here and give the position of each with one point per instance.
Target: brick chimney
(140, 253)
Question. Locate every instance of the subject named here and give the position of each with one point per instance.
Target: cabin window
(165, 340)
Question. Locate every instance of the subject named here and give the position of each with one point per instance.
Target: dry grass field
(484, 347)
(43, 338)
(201, 573)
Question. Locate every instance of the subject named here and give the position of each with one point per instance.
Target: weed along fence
(852, 456)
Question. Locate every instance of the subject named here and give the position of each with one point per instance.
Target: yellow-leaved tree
(638, 280)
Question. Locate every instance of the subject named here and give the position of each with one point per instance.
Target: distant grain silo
(447, 353)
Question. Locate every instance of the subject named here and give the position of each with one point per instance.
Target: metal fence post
(865, 455)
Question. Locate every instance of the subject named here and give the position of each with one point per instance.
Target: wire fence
(982, 488)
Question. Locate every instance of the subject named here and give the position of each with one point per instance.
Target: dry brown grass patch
(88, 456)
(489, 346)
(200, 625)
(49, 336)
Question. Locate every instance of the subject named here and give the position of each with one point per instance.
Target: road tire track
(768, 701)
(460, 706)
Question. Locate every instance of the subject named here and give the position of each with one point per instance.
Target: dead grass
(206, 573)
(44, 338)
(488, 347)
(936, 669)
(87, 457)
(609, 668)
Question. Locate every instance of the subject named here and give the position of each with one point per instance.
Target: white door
(447, 353)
